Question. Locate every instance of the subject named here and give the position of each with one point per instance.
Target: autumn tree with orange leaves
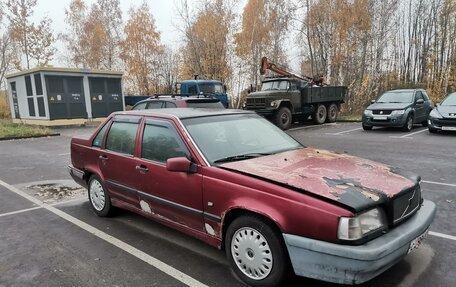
(141, 52)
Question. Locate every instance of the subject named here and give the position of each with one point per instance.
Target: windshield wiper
(240, 157)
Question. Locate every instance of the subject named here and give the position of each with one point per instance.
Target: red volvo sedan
(237, 182)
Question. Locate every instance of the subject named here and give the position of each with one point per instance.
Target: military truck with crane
(290, 97)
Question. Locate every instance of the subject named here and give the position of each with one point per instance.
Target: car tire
(319, 116)
(283, 118)
(245, 237)
(333, 110)
(367, 128)
(408, 124)
(432, 130)
(98, 197)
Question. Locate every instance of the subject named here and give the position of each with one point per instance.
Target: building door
(105, 96)
(65, 97)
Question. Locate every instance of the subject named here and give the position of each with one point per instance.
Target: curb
(30, 137)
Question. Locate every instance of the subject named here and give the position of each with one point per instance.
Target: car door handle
(142, 168)
(103, 157)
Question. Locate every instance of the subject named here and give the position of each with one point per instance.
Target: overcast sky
(163, 11)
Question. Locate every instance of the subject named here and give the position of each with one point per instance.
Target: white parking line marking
(160, 265)
(20, 211)
(344, 132)
(439, 183)
(407, 135)
(446, 236)
(312, 126)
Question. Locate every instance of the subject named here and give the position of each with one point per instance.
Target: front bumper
(390, 121)
(442, 124)
(265, 112)
(345, 264)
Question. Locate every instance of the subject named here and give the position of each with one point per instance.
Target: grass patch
(349, 118)
(4, 107)
(12, 130)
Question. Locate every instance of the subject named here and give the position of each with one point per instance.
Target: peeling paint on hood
(354, 182)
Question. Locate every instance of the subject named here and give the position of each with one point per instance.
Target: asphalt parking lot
(63, 243)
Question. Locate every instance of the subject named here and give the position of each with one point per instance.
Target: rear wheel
(256, 252)
(408, 124)
(332, 113)
(282, 118)
(98, 197)
(320, 114)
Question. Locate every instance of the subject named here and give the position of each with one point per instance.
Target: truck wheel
(256, 252)
(319, 116)
(283, 118)
(332, 113)
(98, 197)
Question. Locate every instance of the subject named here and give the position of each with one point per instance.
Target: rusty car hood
(353, 182)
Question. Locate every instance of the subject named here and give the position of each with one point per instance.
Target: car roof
(404, 90)
(172, 98)
(184, 113)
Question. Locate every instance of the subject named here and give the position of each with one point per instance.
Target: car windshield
(238, 136)
(205, 104)
(274, 85)
(450, 100)
(396, 97)
(211, 88)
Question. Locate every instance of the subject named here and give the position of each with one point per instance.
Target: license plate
(383, 118)
(417, 241)
(448, 128)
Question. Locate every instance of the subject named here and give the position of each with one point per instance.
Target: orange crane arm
(266, 65)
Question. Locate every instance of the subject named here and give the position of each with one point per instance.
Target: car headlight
(354, 228)
(368, 112)
(397, 112)
(274, 104)
(435, 114)
(244, 105)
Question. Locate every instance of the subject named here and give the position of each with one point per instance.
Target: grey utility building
(60, 96)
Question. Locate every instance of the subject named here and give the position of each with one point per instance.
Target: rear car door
(176, 196)
(117, 162)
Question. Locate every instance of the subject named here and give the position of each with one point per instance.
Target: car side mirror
(420, 101)
(180, 164)
(373, 102)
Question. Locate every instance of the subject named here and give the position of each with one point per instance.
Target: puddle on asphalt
(52, 192)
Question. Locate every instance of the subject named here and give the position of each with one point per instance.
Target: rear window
(121, 137)
(205, 104)
(99, 138)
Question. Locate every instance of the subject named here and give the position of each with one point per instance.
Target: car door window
(98, 141)
(155, 105)
(140, 106)
(161, 142)
(121, 137)
(418, 96)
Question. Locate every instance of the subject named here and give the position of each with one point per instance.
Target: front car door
(177, 196)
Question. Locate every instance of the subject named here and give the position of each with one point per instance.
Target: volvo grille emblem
(409, 203)
(381, 112)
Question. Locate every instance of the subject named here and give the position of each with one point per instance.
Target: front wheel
(283, 118)
(408, 124)
(98, 197)
(367, 128)
(256, 252)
